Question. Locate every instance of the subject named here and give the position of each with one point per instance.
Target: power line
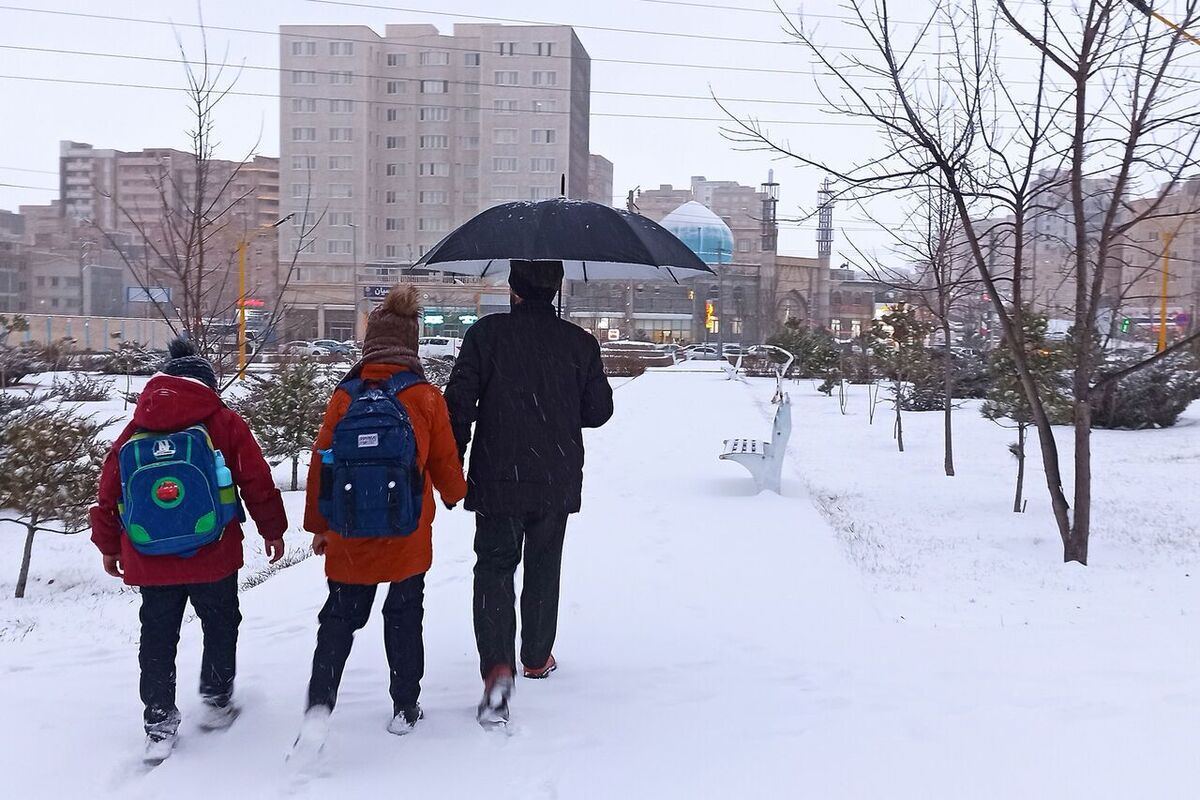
(25, 186)
(379, 41)
(275, 96)
(265, 68)
(26, 169)
(601, 28)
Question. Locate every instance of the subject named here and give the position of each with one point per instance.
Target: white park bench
(764, 459)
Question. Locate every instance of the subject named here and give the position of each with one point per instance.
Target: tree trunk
(948, 383)
(1076, 546)
(295, 472)
(1021, 434)
(899, 419)
(23, 576)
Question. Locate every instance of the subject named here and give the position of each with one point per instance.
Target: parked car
(734, 350)
(701, 352)
(301, 347)
(673, 350)
(334, 347)
(439, 347)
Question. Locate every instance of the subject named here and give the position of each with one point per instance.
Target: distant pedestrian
(529, 382)
(168, 519)
(383, 448)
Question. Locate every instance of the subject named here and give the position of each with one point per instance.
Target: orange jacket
(388, 559)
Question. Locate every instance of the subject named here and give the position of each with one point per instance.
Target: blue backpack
(370, 482)
(177, 495)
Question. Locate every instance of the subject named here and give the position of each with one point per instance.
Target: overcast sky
(740, 53)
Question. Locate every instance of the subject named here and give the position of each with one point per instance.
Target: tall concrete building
(389, 142)
(600, 180)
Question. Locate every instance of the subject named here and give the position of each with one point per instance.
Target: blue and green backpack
(177, 495)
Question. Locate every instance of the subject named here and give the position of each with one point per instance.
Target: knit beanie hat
(535, 281)
(184, 362)
(392, 331)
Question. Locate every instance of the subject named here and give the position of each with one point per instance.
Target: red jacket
(170, 404)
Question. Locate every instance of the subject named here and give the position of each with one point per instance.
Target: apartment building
(389, 142)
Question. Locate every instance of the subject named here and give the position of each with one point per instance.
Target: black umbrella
(593, 241)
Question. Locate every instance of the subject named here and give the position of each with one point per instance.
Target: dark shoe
(405, 720)
(497, 688)
(542, 671)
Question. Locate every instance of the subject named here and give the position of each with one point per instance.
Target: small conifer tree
(899, 344)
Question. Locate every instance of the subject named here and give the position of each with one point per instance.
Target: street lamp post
(242, 290)
(356, 300)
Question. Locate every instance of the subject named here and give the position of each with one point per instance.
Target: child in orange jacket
(356, 566)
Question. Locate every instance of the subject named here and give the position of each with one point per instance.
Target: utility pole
(1168, 236)
(632, 208)
(355, 300)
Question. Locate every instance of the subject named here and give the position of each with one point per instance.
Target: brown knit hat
(392, 331)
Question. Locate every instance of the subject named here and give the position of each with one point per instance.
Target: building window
(504, 106)
(431, 198)
(341, 77)
(308, 247)
(391, 251)
(396, 59)
(299, 190)
(470, 115)
(339, 246)
(541, 165)
(504, 136)
(541, 192)
(470, 170)
(304, 162)
(341, 134)
(544, 106)
(744, 245)
(543, 48)
(542, 135)
(304, 48)
(504, 165)
(434, 114)
(394, 170)
(341, 162)
(434, 142)
(439, 225)
(304, 134)
(397, 87)
(341, 106)
(545, 78)
(304, 76)
(304, 105)
(341, 48)
(341, 191)
(503, 193)
(393, 224)
(303, 219)
(507, 48)
(389, 197)
(471, 87)
(435, 87)
(470, 199)
(835, 327)
(434, 58)
(341, 219)
(471, 59)
(392, 115)
(505, 77)
(394, 143)
(469, 142)
(434, 169)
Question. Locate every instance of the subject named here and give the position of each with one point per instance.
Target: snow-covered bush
(80, 388)
(50, 461)
(1152, 397)
(130, 358)
(285, 409)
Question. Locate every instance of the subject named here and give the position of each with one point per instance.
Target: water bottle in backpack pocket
(177, 494)
(371, 484)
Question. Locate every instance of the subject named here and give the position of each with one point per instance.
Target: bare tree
(1106, 116)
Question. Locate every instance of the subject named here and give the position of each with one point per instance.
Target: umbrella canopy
(594, 243)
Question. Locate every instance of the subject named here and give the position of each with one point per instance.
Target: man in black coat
(529, 382)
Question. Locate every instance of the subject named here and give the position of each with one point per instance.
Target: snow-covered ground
(881, 630)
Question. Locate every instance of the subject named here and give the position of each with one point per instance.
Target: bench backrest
(781, 431)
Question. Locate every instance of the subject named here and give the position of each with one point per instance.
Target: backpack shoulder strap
(401, 381)
(352, 387)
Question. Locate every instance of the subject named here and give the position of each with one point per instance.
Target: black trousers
(345, 613)
(216, 605)
(498, 546)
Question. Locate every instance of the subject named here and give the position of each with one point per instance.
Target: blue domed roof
(703, 231)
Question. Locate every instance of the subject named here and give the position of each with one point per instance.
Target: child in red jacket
(184, 394)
